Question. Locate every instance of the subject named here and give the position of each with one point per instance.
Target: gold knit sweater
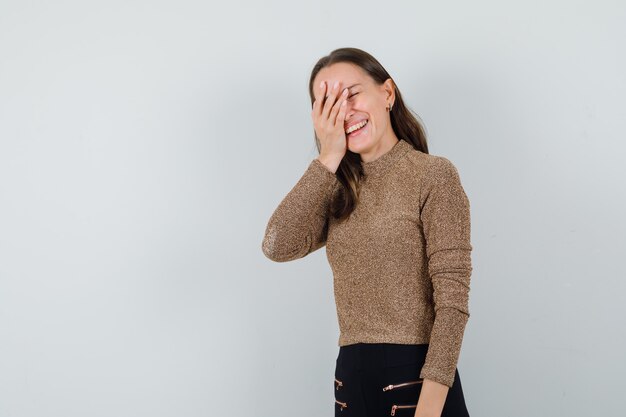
(401, 262)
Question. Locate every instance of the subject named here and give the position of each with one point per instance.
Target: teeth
(356, 126)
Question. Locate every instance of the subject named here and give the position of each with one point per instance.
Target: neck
(387, 142)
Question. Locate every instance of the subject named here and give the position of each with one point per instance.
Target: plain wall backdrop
(144, 145)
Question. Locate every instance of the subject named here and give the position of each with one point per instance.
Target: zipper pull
(341, 405)
(389, 387)
(393, 410)
(339, 383)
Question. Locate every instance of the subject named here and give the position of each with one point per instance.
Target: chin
(358, 147)
(355, 149)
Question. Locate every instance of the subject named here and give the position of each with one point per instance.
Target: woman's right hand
(328, 120)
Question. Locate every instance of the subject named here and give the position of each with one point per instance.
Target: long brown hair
(404, 123)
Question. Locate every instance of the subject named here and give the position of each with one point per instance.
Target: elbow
(270, 249)
(451, 295)
(275, 250)
(458, 310)
(272, 253)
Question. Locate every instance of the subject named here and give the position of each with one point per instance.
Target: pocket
(340, 398)
(341, 404)
(402, 407)
(402, 378)
(402, 384)
(338, 384)
(402, 389)
(402, 395)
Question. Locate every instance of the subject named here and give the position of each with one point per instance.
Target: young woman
(396, 224)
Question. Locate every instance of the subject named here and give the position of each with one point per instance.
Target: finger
(319, 94)
(337, 106)
(330, 100)
(341, 116)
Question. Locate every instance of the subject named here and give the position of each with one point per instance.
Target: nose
(349, 111)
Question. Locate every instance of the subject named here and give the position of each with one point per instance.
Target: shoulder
(431, 167)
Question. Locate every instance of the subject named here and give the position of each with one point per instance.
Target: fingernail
(322, 84)
(336, 84)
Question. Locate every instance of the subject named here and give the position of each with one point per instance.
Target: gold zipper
(343, 405)
(392, 386)
(395, 407)
(339, 383)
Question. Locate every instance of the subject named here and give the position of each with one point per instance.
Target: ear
(389, 88)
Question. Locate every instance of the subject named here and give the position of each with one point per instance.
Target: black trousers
(382, 379)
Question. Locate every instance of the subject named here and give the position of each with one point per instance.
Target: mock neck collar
(380, 165)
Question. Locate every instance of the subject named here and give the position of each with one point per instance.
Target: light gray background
(144, 145)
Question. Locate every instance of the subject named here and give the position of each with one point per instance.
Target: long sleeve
(299, 225)
(445, 217)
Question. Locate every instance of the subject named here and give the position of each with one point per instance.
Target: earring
(390, 106)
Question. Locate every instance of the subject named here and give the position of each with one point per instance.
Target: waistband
(360, 356)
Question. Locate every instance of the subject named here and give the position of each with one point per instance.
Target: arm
(299, 224)
(432, 399)
(445, 216)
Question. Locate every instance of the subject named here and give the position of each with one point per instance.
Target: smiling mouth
(356, 126)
